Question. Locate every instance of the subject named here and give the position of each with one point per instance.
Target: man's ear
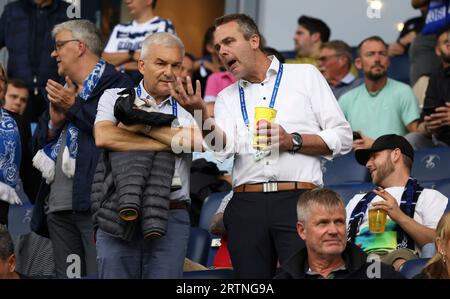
(358, 63)
(12, 263)
(301, 230)
(81, 48)
(255, 41)
(315, 37)
(141, 66)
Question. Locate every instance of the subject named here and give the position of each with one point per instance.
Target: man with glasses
(381, 105)
(25, 30)
(67, 154)
(335, 63)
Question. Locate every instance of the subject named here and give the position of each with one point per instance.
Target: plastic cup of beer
(377, 220)
(263, 114)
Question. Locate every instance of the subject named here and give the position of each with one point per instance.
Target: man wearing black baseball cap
(413, 212)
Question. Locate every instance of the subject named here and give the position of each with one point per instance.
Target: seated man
(381, 105)
(321, 224)
(16, 97)
(7, 257)
(434, 127)
(412, 211)
(335, 64)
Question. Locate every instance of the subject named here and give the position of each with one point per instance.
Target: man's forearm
(188, 139)
(418, 232)
(111, 137)
(117, 58)
(314, 145)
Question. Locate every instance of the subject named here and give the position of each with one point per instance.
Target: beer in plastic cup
(377, 220)
(263, 114)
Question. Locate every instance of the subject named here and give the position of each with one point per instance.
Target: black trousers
(261, 231)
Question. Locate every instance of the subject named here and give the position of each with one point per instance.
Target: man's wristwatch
(297, 142)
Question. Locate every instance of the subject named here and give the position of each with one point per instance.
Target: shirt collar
(271, 71)
(349, 78)
(144, 94)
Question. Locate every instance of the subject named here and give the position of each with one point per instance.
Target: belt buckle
(270, 187)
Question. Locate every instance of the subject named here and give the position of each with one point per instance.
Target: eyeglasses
(325, 58)
(60, 44)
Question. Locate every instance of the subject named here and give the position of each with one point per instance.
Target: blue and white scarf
(10, 156)
(45, 159)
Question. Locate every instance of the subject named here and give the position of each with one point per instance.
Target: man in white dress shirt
(260, 218)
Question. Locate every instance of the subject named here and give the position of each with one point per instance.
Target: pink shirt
(216, 83)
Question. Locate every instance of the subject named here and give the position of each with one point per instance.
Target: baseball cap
(390, 141)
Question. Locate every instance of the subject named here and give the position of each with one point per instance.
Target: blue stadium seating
(198, 246)
(413, 267)
(399, 68)
(209, 208)
(431, 164)
(344, 170)
(209, 274)
(347, 191)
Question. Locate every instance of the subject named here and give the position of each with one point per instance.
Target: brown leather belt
(176, 205)
(274, 187)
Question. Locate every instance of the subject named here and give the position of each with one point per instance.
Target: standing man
(124, 45)
(381, 105)
(25, 30)
(335, 63)
(310, 35)
(67, 154)
(260, 217)
(160, 63)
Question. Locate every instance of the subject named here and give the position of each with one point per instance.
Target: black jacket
(355, 263)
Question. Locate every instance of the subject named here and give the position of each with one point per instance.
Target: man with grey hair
(321, 224)
(66, 152)
(335, 64)
(163, 257)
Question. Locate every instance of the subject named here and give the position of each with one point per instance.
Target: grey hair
(326, 198)
(161, 38)
(84, 31)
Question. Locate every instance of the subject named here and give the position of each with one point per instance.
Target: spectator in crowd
(260, 217)
(15, 156)
(3, 84)
(25, 30)
(434, 127)
(321, 225)
(310, 35)
(16, 97)
(124, 45)
(67, 153)
(439, 266)
(209, 63)
(410, 29)
(7, 257)
(381, 105)
(187, 67)
(160, 64)
(412, 211)
(335, 63)
(423, 59)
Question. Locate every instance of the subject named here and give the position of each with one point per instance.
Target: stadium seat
(209, 208)
(413, 267)
(343, 170)
(347, 191)
(399, 68)
(209, 274)
(198, 246)
(431, 164)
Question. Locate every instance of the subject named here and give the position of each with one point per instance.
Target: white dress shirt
(105, 112)
(305, 104)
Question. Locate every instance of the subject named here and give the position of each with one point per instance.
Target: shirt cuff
(333, 142)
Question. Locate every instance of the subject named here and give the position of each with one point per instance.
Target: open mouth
(231, 63)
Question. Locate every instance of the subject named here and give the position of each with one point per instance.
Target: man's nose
(53, 54)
